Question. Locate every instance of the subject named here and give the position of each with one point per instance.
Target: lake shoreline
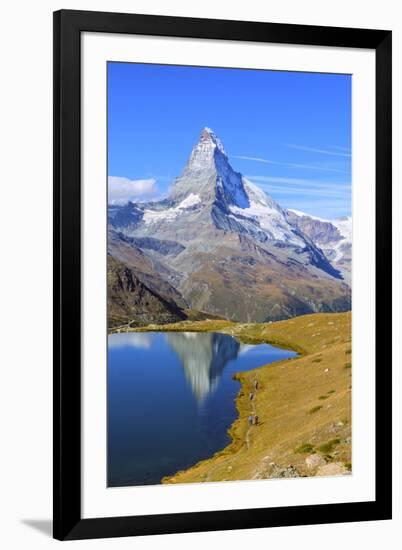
(180, 387)
(324, 448)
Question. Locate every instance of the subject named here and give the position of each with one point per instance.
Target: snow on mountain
(334, 237)
(170, 214)
(230, 249)
(209, 175)
(237, 204)
(204, 151)
(301, 214)
(208, 196)
(344, 226)
(264, 211)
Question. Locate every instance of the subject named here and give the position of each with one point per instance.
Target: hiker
(256, 419)
(250, 419)
(256, 384)
(251, 396)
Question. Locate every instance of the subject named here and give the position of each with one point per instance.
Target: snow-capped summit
(208, 135)
(209, 175)
(235, 203)
(203, 153)
(226, 246)
(210, 196)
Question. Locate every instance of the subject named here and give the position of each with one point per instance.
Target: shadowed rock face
(149, 270)
(130, 300)
(204, 356)
(228, 248)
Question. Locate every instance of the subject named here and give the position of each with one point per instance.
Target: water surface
(171, 399)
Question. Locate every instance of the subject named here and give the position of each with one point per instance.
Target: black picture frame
(68, 26)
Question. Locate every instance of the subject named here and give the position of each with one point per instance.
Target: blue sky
(288, 132)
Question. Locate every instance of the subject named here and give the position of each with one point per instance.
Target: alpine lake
(171, 399)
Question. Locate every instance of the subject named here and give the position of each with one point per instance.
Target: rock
(129, 298)
(283, 472)
(332, 469)
(315, 461)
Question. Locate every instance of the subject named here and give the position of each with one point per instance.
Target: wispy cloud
(256, 159)
(299, 182)
(314, 196)
(308, 192)
(121, 190)
(335, 151)
(325, 208)
(292, 165)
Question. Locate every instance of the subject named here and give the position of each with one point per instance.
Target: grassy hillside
(303, 404)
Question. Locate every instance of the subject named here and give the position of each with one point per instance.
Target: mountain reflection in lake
(171, 399)
(203, 356)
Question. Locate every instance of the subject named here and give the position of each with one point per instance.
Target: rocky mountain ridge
(224, 246)
(334, 237)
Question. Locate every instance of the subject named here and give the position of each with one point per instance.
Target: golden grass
(303, 404)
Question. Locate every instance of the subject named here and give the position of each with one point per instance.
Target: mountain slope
(144, 263)
(227, 247)
(333, 237)
(129, 300)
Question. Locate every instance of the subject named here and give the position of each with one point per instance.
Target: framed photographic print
(222, 207)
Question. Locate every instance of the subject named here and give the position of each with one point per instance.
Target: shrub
(304, 448)
(328, 447)
(315, 409)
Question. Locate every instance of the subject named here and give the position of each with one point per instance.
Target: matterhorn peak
(209, 137)
(204, 152)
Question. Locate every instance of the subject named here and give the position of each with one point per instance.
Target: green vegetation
(347, 366)
(315, 409)
(323, 397)
(304, 448)
(328, 447)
